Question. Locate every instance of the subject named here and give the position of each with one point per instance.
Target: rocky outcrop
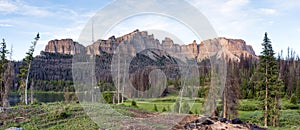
(139, 40)
(64, 46)
(232, 48)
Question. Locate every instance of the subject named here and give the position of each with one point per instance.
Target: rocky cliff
(233, 48)
(64, 46)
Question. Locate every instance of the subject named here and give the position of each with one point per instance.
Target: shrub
(133, 103)
(287, 105)
(290, 118)
(196, 111)
(293, 99)
(202, 92)
(248, 107)
(185, 107)
(164, 109)
(64, 115)
(155, 108)
(107, 97)
(252, 117)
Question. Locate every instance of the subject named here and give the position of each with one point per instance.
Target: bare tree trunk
(1, 92)
(124, 80)
(118, 80)
(26, 85)
(31, 92)
(225, 103)
(93, 77)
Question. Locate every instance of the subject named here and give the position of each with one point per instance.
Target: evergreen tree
(24, 71)
(3, 61)
(268, 85)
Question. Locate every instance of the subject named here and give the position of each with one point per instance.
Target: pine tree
(268, 85)
(24, 71)
(3, 61)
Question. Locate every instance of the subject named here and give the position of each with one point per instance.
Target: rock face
(139, 40)
(232, 48)
(64, 46)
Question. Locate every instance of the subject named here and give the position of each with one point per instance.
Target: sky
(21, 20)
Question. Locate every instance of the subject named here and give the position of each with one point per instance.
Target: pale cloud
(285, 4)
(298, 29)
(7, 7)
(227, 17)
(232, 6)
(34, 11)
(22, 8)
(267, 11)
(5, 25)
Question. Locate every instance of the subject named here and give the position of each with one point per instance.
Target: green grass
(48, 116)
(60, 115)
(165, 102)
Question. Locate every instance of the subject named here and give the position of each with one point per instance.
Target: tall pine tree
(3, 61)
(268, 84)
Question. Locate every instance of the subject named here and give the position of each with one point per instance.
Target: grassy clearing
(47, 116)
(60, 115)
(165, 103)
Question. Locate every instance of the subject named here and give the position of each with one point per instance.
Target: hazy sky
(20, 20)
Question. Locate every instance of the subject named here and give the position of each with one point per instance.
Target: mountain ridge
(233, 48)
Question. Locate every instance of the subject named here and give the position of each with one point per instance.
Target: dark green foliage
(287, 105)
(293, 99)
(155, 108)
(248, 107)
(202, 92)
(107, 97)
(268, 85)
(3, 61)
(63, 115)
(196, 111)
(164, 109)
(133, 103)
(3, 56)
(290, 118)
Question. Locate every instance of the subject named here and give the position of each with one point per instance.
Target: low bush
(288, 105)
(248, 107)
(133, 103)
